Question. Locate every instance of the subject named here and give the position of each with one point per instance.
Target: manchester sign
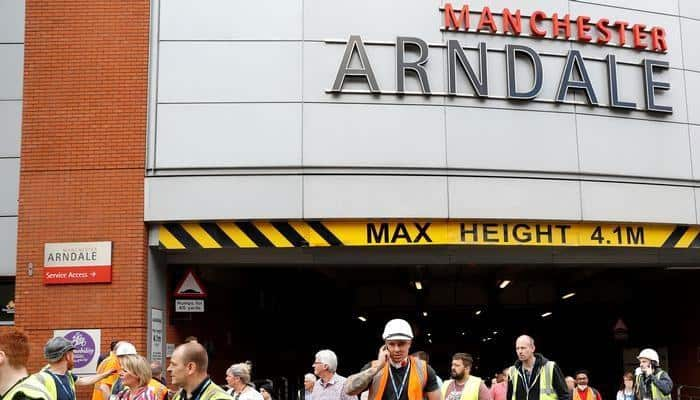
(574, 77)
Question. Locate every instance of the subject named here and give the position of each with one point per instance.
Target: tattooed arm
(357, 383)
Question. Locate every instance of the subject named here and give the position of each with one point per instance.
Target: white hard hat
(397, 329)
(650, 354)
(125, 349)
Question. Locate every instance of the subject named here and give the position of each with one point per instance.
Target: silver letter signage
(574, 59)
(513, 93)
(416, 66)
(355, 44)
(454, 54)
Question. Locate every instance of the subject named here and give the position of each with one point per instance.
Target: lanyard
(398, 392)
(68, 393)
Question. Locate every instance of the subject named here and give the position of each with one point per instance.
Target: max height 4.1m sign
(78, 262)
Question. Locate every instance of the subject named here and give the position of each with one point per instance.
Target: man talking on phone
(395, 375)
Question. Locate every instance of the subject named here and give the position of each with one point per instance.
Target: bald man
(533, 371)
(188, 371)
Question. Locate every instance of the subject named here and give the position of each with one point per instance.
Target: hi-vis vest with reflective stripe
(417, 377)
(212, 392)
(656, 394)
(544, 374)
(470, 391)
(50, 384)
(31, 387)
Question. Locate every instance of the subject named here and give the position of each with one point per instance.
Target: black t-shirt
(397, 374)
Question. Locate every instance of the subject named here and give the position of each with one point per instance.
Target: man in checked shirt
(329, 386)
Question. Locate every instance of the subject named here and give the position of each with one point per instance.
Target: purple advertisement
(86, 342)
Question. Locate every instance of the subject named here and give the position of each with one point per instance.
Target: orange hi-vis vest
(417, 377)
(590, 394)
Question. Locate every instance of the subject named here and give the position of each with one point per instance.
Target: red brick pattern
(82, 166)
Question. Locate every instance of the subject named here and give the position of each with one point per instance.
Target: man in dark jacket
(534, 377)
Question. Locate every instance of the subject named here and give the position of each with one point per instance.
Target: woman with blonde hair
(135, 374)
(626, 391)
(238, 379)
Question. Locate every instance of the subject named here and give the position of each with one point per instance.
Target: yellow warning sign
(255, 234)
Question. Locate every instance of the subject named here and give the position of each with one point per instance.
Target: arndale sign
(573, 77)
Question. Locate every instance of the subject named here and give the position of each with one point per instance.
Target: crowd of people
(396, 374)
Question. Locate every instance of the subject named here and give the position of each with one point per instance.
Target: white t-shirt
(248, 394)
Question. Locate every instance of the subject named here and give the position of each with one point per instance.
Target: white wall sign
(77, 262)
(189, 305)
(156, 334)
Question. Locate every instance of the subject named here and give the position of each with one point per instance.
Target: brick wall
(82, 167)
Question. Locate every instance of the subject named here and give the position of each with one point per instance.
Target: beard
(457, 376)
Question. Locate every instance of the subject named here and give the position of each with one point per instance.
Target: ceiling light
(504, 284)
(547, 314)
(568, 295)
(429, 334)
(361, 318)
(425, 313)
(464, 333)
(419, 286)
(478, 312)
(495, 333)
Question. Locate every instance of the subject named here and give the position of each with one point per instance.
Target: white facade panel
(689, 8)
(691, 56)
(694, 132)
(506, 198)
(228, 135)
(197, 198)
(230, 20)
(10, 128)
(12, 22)
(665, 7)
(11, 71)
(357, 135)
(604, 201)
(375, 197)
(511, 140)
(9, 189)
(8, 246)
(374, 19)
(633, 147)
(229, 72)
(692, 82)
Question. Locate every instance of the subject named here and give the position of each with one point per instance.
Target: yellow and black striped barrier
(286, 234)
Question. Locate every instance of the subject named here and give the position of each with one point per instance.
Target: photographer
(652, 382)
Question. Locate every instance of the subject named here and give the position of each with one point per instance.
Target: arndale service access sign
(78, 262)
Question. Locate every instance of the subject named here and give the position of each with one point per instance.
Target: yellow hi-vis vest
(211, 392)
(469, 392)
(545, 376)
(50, 384)
(656, 394)
(30, 387)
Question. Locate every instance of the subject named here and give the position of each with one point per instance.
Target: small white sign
(169, 349)
(189, 305)
(78, 254)
(156, 334)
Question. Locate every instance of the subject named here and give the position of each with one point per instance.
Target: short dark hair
(466, 358)
(583, 371)
(195, 353)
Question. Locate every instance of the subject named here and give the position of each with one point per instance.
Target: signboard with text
(87, 348)
(79, 262)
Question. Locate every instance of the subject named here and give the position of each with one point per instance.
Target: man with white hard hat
(395, 375)
(652, 383)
